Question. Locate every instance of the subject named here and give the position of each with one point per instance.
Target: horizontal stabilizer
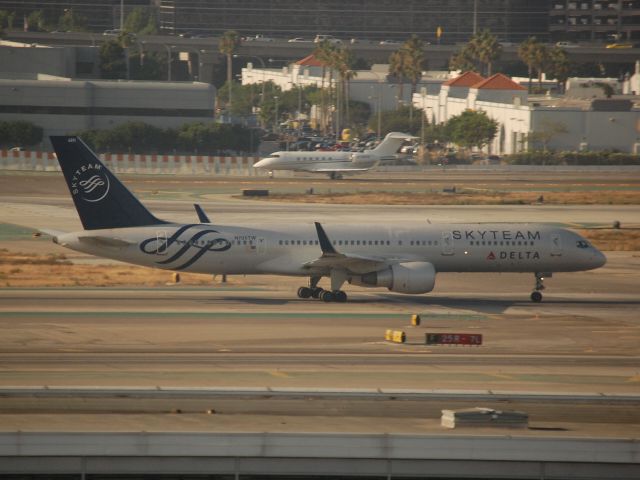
(201, 215)
(101, 241)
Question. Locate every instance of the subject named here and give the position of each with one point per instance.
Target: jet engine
(408, 277)
(362, 159)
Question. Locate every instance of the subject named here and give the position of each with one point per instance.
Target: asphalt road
(583, 339)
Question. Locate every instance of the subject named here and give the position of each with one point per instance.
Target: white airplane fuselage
(402, 258)
(286, 249)
(318, 162)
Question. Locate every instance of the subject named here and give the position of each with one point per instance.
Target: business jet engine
(408, 277)
(362, 159)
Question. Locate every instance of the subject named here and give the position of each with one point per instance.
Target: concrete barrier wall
(496, 455)
(136, 163)
(243, 165)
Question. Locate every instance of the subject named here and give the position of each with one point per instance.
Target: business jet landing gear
(313, 290)
(536, 295)
(335, 176)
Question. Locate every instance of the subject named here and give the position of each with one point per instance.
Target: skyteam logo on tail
(90, 182)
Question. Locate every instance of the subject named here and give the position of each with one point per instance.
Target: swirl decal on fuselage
(195, 243)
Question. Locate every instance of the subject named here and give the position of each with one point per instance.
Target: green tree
(38, 22)
(488, 49)
(324, 52)
(228, 45)
(396, 121)
(71, 21)
(398, 61)
(462, 60)
(141, 21)
(149, 66)
(546, 132)
(534, 55)
(5, 16)
(414, 60)
(19, 134)
(479, 54)
(112, 62)
(559, 66)
(471, 129)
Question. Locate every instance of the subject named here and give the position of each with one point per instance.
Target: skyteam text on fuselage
(335, 163)
(403, 259)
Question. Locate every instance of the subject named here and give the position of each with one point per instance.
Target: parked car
(112, 33)
(620, 45)
(299, 40)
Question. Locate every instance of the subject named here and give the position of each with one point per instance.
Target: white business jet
(402, 259)
(337, 163)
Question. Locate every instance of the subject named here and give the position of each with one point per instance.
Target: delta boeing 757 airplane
(402, 259)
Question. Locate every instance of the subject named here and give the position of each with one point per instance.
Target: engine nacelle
(408, 277)
(363, 159)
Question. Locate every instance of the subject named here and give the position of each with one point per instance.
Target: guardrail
(137, 163)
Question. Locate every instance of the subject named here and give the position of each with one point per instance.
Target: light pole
(276, 126)
(121, 15)
(475, 16)
(168, 47)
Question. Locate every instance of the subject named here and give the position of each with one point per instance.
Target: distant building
(595, 20)
(374, 87)
(512, 20)
(62, 106)
(579, 123)
(100, 14)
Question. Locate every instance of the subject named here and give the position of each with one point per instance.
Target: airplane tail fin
(101, 200)
(391, 144)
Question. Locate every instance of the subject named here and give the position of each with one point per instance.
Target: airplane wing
(352, 263)
(50, 232)
(338, 170)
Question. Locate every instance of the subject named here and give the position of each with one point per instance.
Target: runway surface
(583, 339)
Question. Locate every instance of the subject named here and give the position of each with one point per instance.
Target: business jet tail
(101, 200)
(391, 144)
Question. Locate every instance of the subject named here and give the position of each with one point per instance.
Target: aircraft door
(161, 243)
(262, 245)
(556, 245)
(447, 243)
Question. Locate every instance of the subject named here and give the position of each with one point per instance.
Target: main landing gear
(536, 295)
(314, 291)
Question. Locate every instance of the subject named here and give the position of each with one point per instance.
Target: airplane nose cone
(599, 259)
(260, 163)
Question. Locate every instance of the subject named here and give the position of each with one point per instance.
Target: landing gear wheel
(304, 292)
(536, 297)
(327, 296)
(340, 296)
(316, 292)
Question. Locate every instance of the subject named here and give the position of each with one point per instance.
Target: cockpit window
(582, 244)
(273, 155)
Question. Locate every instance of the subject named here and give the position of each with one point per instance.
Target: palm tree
(397, 69)
(527, 53)
(540, 61)
(324, 53)
(414, 59)
(228, 45)
(342, 62)
(463, 61)
(559, 66)
(487, 49)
